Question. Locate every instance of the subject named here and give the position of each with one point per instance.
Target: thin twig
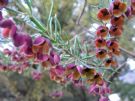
(115, 73)
(79, 18)
(127, 52)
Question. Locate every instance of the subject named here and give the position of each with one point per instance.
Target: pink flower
(57, 74)
(12, 67)
(6, 23)
(80, 69)
(105, 89)
(42, 45)
(94, 89)
(38, 41)
(36, 75)
(78, 83)
(7, 52)
(128, 13)
(70, 66)
(20, 38)
(59, 70)
(41, 57)
(19, 69)
(100, 90)
(54, 58)
(72, 72)
(27, 50)
(52, 74)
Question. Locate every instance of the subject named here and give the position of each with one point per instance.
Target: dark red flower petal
(101, 53)
(104, 15)
(6, 23)
(102, 31)
(117, 21)
(115, 31)
(39, 41)
(100, 42)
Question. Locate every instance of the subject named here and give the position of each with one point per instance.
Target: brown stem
(79, 18)
(127, 52)
(115, 74)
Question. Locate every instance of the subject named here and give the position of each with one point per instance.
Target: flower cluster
(106, 43)
(79, 75)
(19, 62)
(100, 90)
(75, 74)
(37, 51)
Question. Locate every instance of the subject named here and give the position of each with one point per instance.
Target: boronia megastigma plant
(65, 60)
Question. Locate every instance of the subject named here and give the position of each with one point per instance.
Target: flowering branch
(67, 60)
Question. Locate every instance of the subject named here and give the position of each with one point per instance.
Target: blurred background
(16, 87)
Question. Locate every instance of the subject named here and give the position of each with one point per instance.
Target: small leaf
(38, 24)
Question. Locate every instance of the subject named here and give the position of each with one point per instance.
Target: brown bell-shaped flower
(88, 73)
(117, 8)
(104, 15)
(109, 62)
(116, 52)
(42, 45)
(115, 31)
(97, 79)
(100, 42)
(101, 53)
(57, 74)
(117, 21)
(102, 31)
(111, 44)
(72, 72)
(46, 64)
(76, 75)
